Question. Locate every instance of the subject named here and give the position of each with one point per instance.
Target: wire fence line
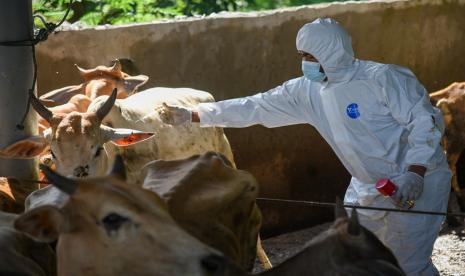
(332, 205)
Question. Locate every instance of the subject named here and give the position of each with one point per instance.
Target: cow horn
(106, 107)
(116, 66)
(339, 211)
(66, 185)
(82, 71)
(40, 108)
(353, 227)
(119, 169)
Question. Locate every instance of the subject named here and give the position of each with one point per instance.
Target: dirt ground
(449, 251)
(448, 254)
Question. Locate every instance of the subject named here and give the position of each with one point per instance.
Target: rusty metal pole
(16, 74)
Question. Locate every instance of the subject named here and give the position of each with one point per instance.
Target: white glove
(175, 115)
(410, 187)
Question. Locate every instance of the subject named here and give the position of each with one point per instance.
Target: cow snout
(214, 264)
(81, 171)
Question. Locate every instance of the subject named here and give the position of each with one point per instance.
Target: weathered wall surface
(236, 55)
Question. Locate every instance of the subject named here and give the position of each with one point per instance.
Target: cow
(98, 81)
(21, 255)
(109, 227)
(451, 101)
(345, 249)
(144, 111)
(212, 201)
(78, 103)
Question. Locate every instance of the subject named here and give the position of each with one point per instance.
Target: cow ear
(25, 149)
(132, 83)
(132, 138)
(60, 96)
(353, 227)
(124, 136)
(43, 224)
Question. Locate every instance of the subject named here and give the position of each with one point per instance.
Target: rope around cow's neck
(332, 205)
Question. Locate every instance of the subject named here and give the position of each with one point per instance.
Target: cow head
(108, 227)
(101, 80)
(347, 235)
(97, 82)
(75, 140)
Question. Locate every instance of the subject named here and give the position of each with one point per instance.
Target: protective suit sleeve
(409, 104)
(287, 104)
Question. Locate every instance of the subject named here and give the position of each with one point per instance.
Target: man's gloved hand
(410, 187)
(175, 115)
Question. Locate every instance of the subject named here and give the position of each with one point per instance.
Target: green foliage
(98, 12)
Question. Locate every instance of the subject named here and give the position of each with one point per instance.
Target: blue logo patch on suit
(352, 111)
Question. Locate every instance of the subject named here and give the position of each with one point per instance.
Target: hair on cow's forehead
(119, 190)
(77, 123)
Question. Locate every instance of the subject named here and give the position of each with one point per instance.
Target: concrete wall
(234, 55)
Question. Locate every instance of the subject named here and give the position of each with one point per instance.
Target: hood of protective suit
(331, 45)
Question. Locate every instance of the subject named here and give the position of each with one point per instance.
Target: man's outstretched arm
(283, 105)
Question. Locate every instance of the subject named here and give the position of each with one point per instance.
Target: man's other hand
(410, 187)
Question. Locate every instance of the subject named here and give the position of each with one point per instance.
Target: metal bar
(16, 74)
(330, 204)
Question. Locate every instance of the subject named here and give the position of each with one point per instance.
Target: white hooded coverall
(378, 120)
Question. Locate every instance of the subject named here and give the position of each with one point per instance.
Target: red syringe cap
(386, 187)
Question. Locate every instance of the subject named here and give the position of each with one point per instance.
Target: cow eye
(99, 150)
(113, 222)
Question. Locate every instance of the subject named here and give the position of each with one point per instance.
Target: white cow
(143, 111)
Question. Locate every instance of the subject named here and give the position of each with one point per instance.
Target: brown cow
(451, 101)
(212, 200)
(98, 81)
(109, 227)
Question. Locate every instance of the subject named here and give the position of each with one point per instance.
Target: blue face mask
(312, 72)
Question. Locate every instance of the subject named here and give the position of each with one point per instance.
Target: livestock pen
(238, 54)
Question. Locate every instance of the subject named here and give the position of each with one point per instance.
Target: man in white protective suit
(378, 120)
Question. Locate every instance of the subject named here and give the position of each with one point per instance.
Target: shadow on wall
(305, 169)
